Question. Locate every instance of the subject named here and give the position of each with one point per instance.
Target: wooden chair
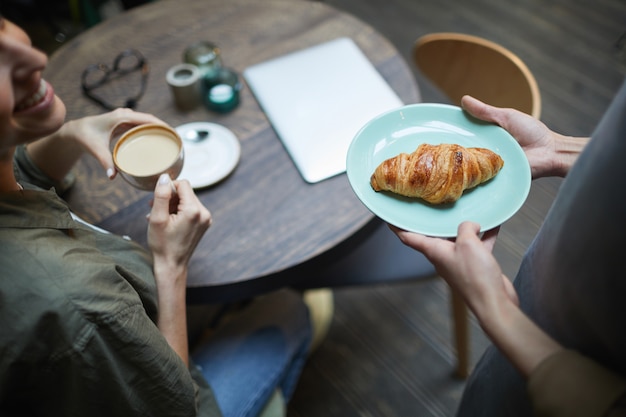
(460, 64)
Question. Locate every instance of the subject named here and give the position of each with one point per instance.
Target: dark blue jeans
(260, 349)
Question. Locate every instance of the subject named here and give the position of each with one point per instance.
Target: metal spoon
(196, 135)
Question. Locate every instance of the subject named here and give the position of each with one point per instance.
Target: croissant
(436, 173)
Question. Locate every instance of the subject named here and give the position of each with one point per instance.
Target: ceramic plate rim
(401, 130)
(227, 136)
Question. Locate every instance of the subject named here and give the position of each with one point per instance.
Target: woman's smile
(41, 99)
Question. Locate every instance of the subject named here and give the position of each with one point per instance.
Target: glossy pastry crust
(437, 174)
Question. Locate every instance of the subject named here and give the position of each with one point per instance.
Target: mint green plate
(403, 130)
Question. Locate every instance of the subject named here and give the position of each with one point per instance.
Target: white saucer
(210, 160)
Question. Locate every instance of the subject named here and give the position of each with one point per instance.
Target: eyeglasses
(98, 75)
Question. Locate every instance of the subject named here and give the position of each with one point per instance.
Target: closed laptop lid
(317, 99)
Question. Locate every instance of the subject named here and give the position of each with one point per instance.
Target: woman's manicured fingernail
(165, 179)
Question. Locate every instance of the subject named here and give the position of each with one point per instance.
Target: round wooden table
(267, 219)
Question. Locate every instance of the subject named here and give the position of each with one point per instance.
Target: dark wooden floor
(389, 351)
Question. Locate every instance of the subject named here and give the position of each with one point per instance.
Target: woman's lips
(38, 100)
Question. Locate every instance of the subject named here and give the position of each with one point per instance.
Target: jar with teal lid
(205, 55)
(221, 90)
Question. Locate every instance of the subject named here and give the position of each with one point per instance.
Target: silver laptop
(317, 99)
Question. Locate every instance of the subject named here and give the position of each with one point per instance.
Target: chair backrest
(460, 64)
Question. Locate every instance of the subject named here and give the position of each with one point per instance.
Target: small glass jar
(221, 90)
(205, 55)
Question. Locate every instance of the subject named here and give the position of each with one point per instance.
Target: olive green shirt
(77, 321)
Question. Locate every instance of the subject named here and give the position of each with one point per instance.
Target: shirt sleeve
(124, 367)
(114, 365)
(570, 384)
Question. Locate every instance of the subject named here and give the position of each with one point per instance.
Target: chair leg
(461, 333)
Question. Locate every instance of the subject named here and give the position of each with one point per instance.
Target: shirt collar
(34, 208)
